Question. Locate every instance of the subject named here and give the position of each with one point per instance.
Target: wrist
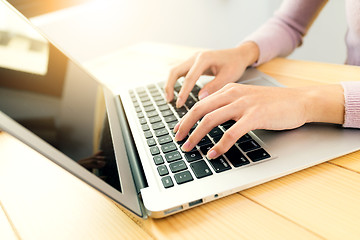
(249, 51)
(324, 104)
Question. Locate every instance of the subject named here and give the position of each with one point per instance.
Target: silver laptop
(119, 140)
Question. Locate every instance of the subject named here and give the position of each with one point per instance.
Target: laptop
(119, 139)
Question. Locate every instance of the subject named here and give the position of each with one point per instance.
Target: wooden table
(39, 200)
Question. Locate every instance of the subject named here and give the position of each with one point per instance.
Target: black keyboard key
(166, 113)
(219, 164)
(149, 108)
(216, 132)
(173, 103)
(177, 88)
(169, 147)
(172, 156)
(204, 149)
(155, 93)
(154, 119)
(152, 114)
(190, 102)
(170, 118)
(151, 142)
(171, 125)
(154, 150)
(158, 98)
(143, 95)
(193, 156)
(161, 102)
(145, 127)
(157, 125)
(217, 138)
(161, 132)
(144, 99)
(148, 134)
(164, 139)
(244, 138)
(196, 89)
(181, 111)
(236, 157)
(158, 159)
(140, 90)
(177, 166)
(228, 124)
(162, 169)
(140, 114)
(204, 141)
(164, 108)
(138, 109)
(257, 155)
(200, 169)
(142, 121)
(183, 177)
(147, 103)
(167, 182)
(249, 145)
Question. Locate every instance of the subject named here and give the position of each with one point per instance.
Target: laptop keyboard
(158, 119)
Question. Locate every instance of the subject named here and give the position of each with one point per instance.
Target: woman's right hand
(226, 65)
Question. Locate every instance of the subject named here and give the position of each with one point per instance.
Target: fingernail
(186, 146)
(211, 154)
(203, 94)
(178, 102)
(176, 127)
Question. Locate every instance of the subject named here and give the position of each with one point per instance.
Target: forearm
(338, 104)
(249, 51)
(324, 103)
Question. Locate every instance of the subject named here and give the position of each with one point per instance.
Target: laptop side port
(172, 210)
(196, 202)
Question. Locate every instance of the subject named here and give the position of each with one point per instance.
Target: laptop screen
(41, 89)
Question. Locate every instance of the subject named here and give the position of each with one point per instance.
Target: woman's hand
(226, 65)
(257, 107)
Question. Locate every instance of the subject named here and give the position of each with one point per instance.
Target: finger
(175, 73)
(216, 84)
(240, 128)
(198, 111)
(200, 65)
(209, 121)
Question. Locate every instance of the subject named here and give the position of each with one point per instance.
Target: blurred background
(89, 28)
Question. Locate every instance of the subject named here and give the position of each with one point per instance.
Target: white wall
(325, 42)
(102, 26)
(106, 25)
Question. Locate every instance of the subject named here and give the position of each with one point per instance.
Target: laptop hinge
(132, 153)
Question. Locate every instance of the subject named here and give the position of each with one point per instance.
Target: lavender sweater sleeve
(281, 34)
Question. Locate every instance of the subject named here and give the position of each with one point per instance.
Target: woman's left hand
(257, 107)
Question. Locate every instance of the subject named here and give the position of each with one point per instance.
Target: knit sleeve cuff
(352, 104)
